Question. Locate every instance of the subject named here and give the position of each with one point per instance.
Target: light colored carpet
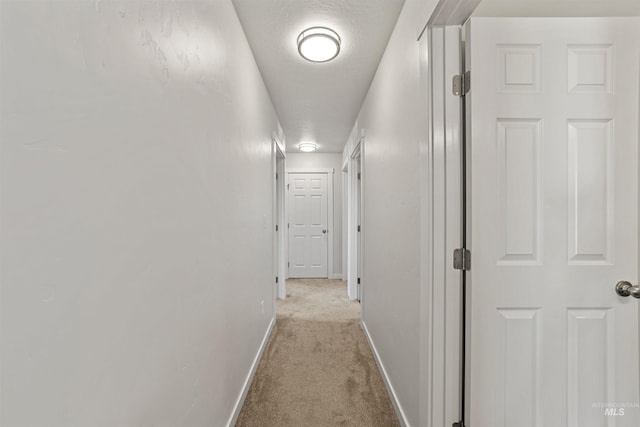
(317, 369)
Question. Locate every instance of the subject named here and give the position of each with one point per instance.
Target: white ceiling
(317, 102)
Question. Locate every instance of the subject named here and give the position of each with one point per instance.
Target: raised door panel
(590, 196)
(519, 368)
(519, 163)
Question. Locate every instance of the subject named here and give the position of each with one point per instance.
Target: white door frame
(330, 230)
(443, 217)
(345, 220)
(354, 218)
(279, 215)
(445, 212)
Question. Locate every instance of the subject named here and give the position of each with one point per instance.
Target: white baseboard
(385, 378)
(337, 276)
(249, 379)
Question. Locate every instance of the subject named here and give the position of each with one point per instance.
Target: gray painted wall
(393, 120)
(136, 213)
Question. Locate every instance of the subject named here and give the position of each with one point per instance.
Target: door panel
(308, 225)
(554, 221)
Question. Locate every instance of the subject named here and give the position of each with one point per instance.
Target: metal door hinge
(276, 175)
(288, 225)
(276, 227)
(276, 279)
(358, 280)
(358, 229)
(288, 264)
(288, 186)
(462, 84)
(358, 175)
(462, 259)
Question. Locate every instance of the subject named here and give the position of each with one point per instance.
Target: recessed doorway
(310, 223)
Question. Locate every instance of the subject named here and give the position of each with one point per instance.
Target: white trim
(445, 213)
(330, 230)
(286, 223)
(426, 242)
(281, 144)
(353, 252)
(345, 221)
(452, 12)
(275, 241)
(337, 276)
(247, 382)
(281, 247)
(345, 164)
(385, 378)
(360, 272)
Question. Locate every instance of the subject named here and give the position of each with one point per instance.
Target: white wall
(135, 191)
(393, 120)
(326, 160)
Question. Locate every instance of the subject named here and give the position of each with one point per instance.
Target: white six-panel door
(308, 225)
(554, 221)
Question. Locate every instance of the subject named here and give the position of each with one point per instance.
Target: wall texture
(135, 192)
(326, 160)
(393, 120)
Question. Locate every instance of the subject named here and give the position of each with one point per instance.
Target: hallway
(152, 154)
(317, 369)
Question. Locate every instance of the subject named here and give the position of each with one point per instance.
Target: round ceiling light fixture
(319, 44)
(307, 147)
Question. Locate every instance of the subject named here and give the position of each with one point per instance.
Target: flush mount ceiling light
(307, 147)
(318, 44)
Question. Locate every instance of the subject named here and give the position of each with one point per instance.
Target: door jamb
(330, 172)
(355, 218)
(345, 220)
(445, 228)
(280, 219)
(447, 13)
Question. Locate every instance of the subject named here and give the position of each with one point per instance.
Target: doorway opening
(280, 241)
(310, 223)
(354, 222)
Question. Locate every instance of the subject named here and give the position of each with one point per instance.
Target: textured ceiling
(318, 102)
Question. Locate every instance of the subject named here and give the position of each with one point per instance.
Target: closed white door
(308, 225)
(554, 221)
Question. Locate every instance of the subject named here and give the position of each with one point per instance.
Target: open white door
(554, 221)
